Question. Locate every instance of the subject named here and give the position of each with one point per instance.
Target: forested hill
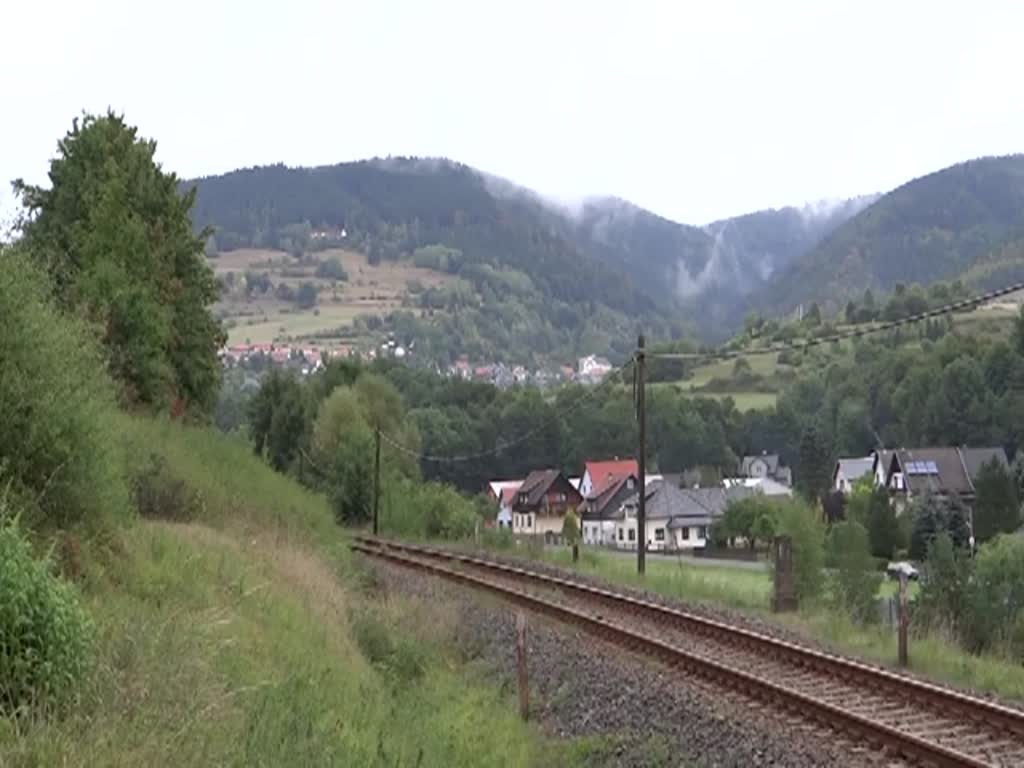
(963, 222)
(538, 290)
(595, 274)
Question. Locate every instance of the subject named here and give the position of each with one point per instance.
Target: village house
(597, 474)
(503, 493)
(600, 511)
(675, 518)
(541, 503)
(592, 369)
(766, 465)
(939, 471)
(848, 472)
(763, 485)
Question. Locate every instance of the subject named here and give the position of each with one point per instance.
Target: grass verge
(241, 639)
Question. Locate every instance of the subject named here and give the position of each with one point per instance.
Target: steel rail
(807, 706)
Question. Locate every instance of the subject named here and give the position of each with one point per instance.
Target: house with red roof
(503, 494)
(600, 512)
(598, 474)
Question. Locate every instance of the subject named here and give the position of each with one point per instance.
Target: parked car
(895, 569)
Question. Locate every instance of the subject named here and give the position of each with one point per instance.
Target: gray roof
(854, 469)
(687, 506)
(933, 470)
(975, 458)
(771, 459)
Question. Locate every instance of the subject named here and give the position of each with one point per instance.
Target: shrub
(59, 448)
(387, 648)
(943, 599)
(854, 582)
(803, 526)
(46, 636)
(161, 494)
(995, 603)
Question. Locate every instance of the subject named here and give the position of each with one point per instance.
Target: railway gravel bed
(731, 616)
(872, 707)
(584, 687)
(990, 743)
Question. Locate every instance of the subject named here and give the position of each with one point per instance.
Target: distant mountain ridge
(962, 222)
(608, 267)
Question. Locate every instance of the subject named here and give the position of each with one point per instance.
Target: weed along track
(904, 717)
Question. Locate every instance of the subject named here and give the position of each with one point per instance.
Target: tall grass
(232, 640)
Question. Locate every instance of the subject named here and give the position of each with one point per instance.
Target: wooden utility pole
(904, 619)
(524, 683)
(376, 481)
(641, 407)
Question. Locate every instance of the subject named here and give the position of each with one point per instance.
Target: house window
(703, 531)
(686, 533)
(629, 484)
(659, 534)
(620, 534)
(632, 534)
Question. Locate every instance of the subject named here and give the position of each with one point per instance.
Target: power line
(857, 332)
(507, 444)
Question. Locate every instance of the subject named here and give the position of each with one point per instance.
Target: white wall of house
(598, 532)
(504, 516)
(658, 534)
(586, 486)
(532, 524)
(758, 468)
(843, 484)
(690, 537)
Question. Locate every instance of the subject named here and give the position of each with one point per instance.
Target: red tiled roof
(603, 472)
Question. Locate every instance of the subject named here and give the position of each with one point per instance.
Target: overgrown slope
(245, 636)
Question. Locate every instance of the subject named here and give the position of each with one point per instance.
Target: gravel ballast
(581, 686)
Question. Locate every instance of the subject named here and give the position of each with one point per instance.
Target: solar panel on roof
(922, 468)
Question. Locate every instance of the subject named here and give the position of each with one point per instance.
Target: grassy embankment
(933, 655)
(249, 636)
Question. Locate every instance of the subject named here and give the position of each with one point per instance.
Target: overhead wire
(951, 308)
(853, 333)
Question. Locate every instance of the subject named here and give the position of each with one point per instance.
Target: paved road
(709, 562)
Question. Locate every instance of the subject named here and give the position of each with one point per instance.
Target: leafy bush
(943, 600)
(854, 582)
(59, 447)
(803, 526)
(160, 493)
(995, 602)
(46, 636)
(388, 649)
(331, 269)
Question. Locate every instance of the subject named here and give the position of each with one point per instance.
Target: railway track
(907, 718)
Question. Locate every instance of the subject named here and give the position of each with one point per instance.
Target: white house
(848, 471)
(676, 518)
(599, 513)
(764, 485)
(503, 493)
(766, 465)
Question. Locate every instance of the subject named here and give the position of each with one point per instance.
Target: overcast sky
(695, 110)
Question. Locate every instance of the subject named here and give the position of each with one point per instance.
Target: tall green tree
(815, 465)
(115, 235)
(996, 508)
